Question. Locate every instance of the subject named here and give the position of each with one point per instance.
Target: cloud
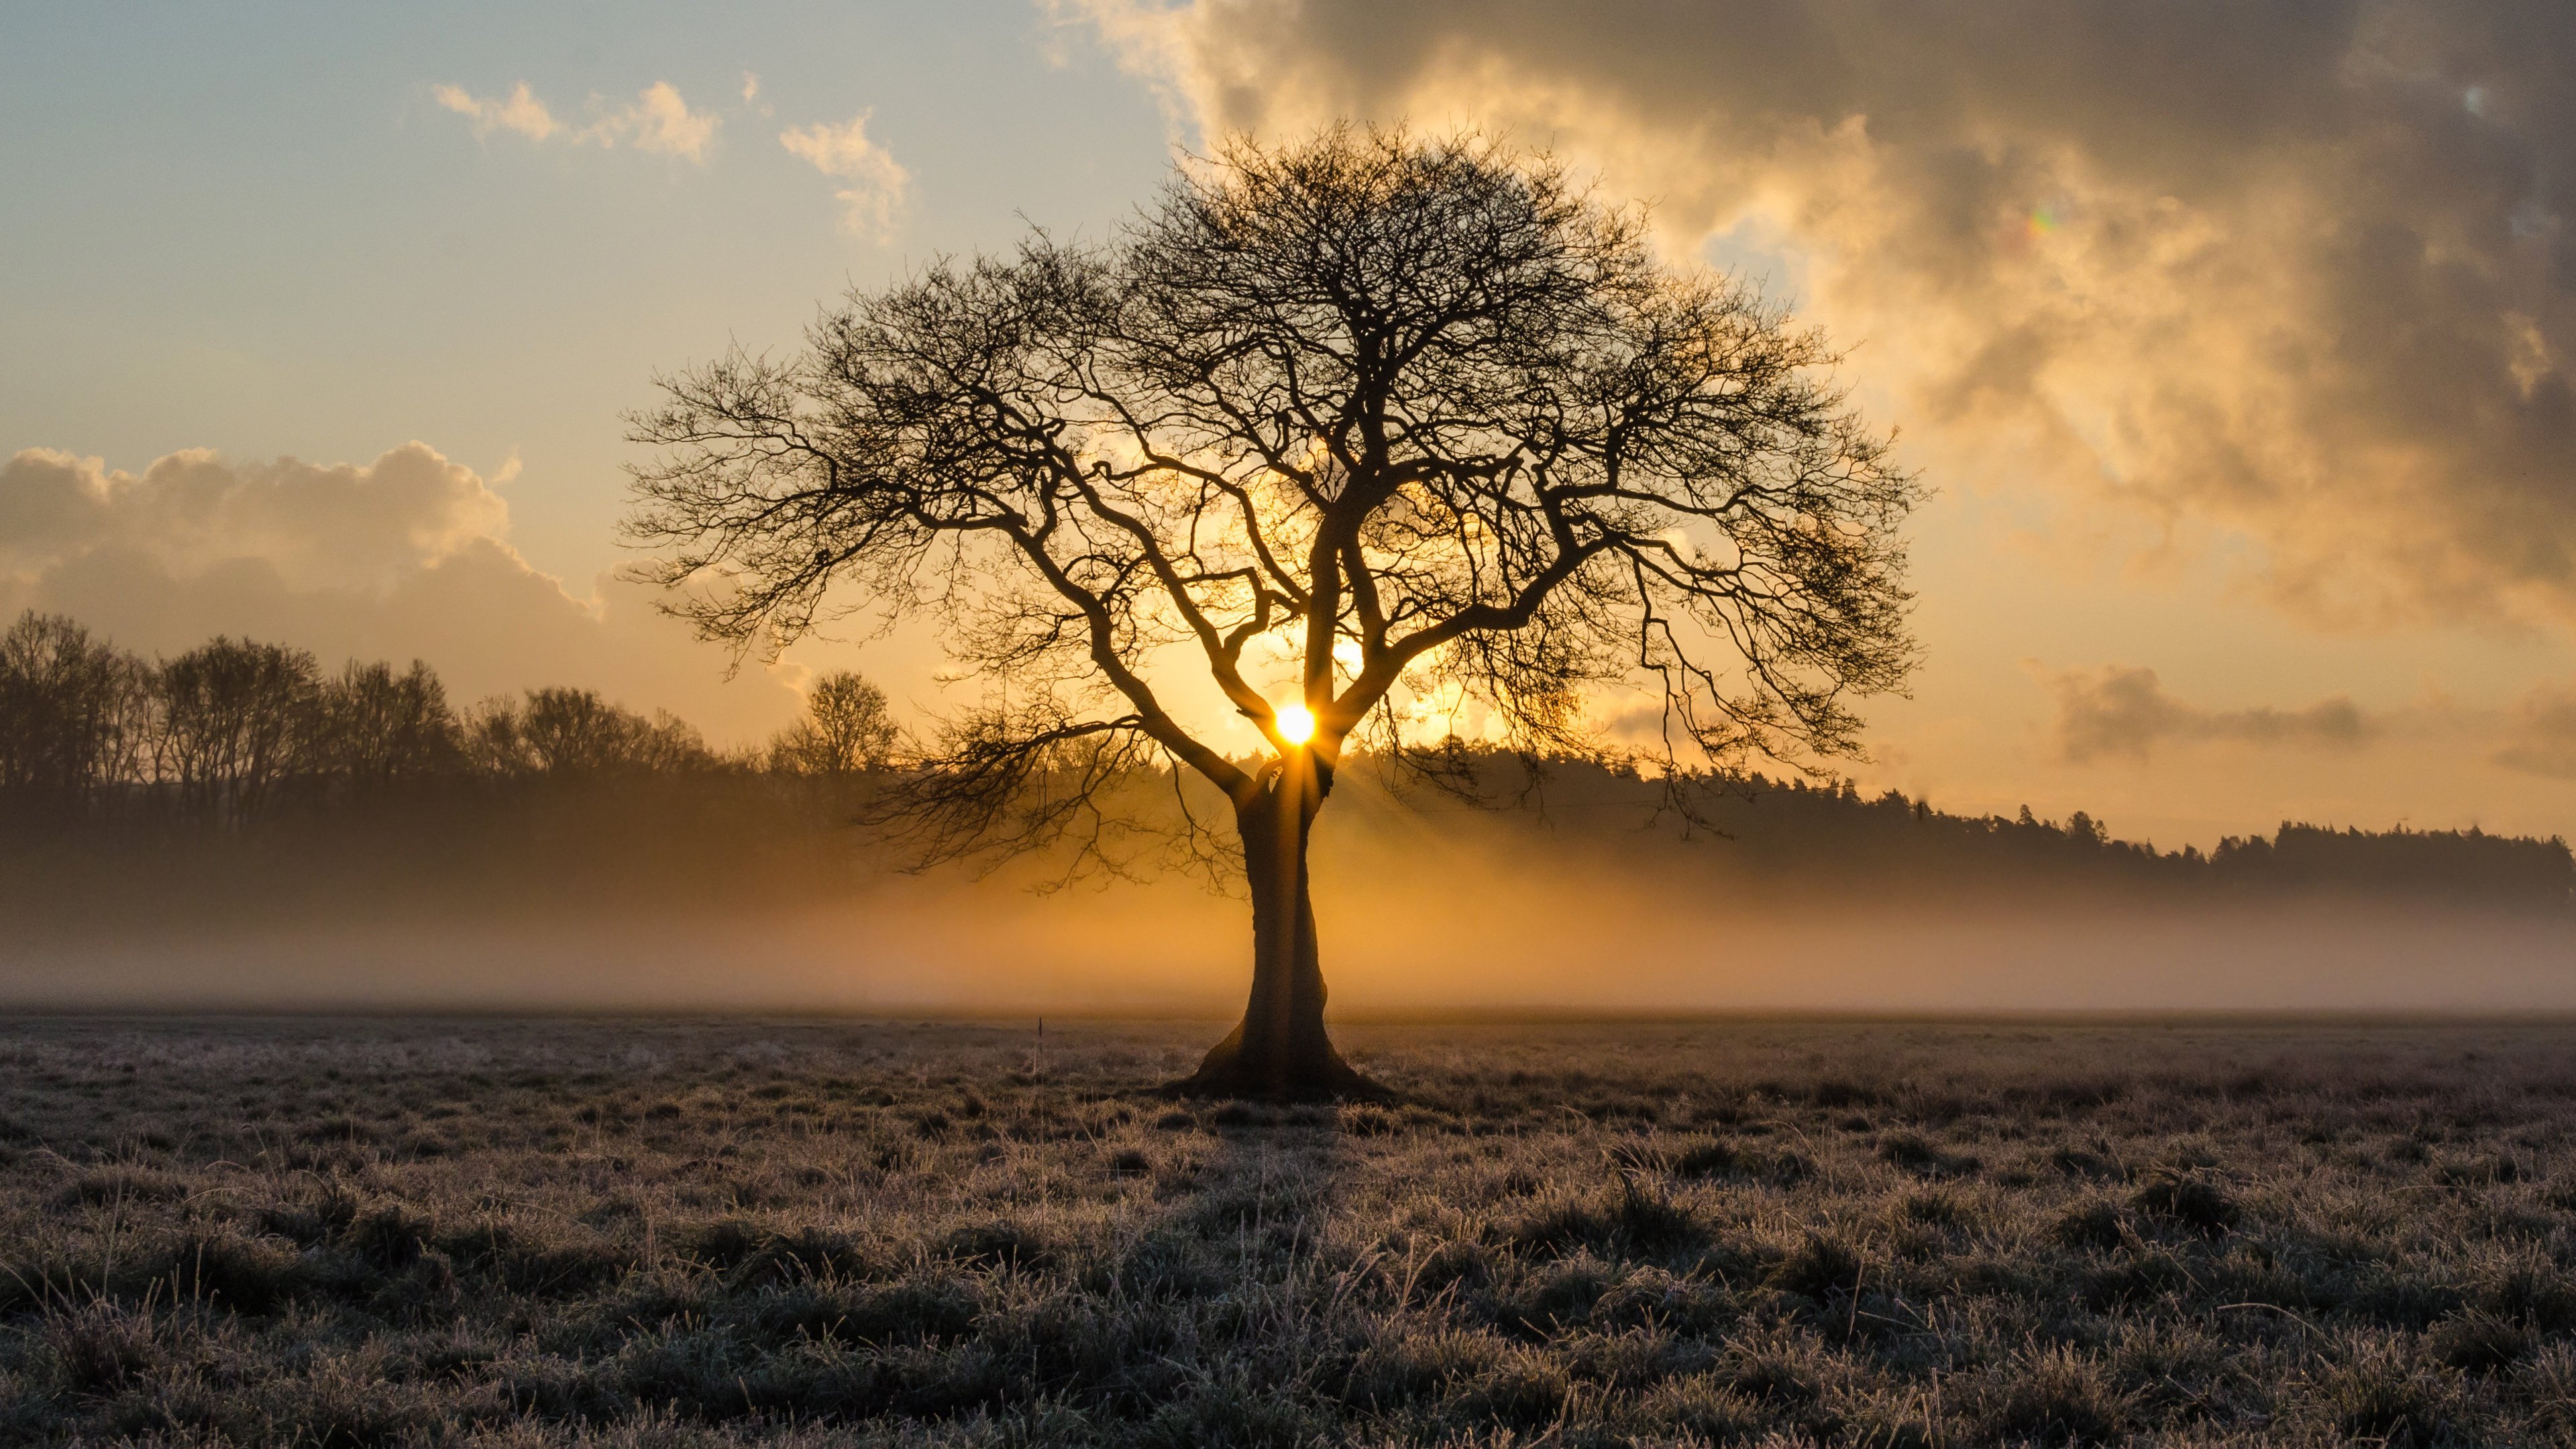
(522, 112)
(660, 122)
(878, 183)
(2123, 710)
(656, 121)
(2541, 734)
(403, 557)
(2304, 274)
(342, 527)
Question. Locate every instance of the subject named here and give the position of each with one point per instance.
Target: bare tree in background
(380, 729)
(73, 717)
(567, 733)
(846, 729)
(1394, 427)
(235, 721)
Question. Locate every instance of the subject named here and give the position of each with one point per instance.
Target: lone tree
(1417, 424)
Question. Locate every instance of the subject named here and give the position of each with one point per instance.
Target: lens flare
(1296, 724)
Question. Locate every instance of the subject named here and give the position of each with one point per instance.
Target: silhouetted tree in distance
(1789, 836)
(846, 729)
(231, 731)
(1408, 422)
(379, 729)
(2463, 865)
(73, 715)
(236, 720)
(572, 733)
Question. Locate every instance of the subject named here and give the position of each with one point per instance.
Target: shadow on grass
(1238, 1271)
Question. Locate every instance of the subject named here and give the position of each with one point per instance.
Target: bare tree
(379, 728)
(72, 714)
(235, 720)
(846, 729)
(569, 733)
(1407, 426)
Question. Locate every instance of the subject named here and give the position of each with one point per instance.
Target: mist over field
(716, 896)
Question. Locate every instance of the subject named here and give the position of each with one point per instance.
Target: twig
(2276, 1308)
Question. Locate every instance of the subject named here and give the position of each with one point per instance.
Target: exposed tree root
(1306, 1076)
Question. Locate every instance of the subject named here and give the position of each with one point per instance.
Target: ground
(342, 1232)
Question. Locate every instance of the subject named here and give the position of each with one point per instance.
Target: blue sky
(253, 228)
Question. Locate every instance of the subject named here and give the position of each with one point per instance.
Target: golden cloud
(2296, 275)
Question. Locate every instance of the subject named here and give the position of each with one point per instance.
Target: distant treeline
(1797, 830)
(235, 733)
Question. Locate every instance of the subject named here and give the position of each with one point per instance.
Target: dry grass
(352, 1233)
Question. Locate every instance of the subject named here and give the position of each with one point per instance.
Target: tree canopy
(1418, 425)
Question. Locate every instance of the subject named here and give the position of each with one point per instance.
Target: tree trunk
(1280, 1050)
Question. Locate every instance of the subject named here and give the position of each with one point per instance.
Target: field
(341, 1232)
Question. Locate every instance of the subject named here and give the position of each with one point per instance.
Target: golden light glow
(1296, 724)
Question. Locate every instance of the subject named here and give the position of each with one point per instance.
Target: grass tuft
(2186, 1201)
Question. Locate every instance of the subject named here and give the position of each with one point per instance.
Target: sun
(1296, 724)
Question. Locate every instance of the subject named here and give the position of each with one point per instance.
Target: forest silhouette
(240, 754)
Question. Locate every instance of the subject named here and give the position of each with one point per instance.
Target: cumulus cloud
(403, 557)
(319, 527)
(2124, 710)
(2303, 273)
(878, 184)
(658, 120)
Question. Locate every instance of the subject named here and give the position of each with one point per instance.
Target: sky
(2235, 340)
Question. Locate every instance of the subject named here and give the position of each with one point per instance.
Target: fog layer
(676, 902)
